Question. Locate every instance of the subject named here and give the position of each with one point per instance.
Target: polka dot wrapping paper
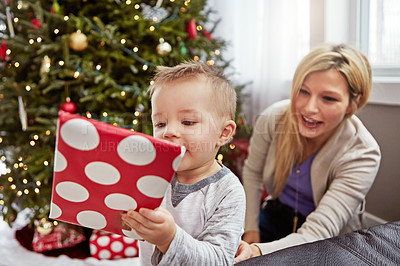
(106, 246)
(101, 170)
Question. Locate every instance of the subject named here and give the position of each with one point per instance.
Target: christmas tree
(93, 58)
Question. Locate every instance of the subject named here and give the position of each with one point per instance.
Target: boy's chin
(181, 167)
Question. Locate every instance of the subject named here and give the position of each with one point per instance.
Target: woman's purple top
(301, 181)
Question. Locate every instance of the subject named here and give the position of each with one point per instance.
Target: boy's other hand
(155, 226)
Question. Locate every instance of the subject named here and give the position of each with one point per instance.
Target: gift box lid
(101, 170)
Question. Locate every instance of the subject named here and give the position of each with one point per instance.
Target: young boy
(200, 221)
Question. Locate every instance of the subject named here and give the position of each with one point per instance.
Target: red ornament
(69, 107)
(207, 34)
(35, 22)
(191, 29)
(3, 51)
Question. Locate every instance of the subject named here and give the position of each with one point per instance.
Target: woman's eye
(303, 91)
(188, 123)
(331, 99)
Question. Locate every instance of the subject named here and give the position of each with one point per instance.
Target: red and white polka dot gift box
(106, 246)
(101, 170)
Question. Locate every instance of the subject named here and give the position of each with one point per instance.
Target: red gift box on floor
(101, 170)
(108, 246)
(62, 236)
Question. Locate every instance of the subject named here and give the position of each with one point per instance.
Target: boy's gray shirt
(209, 216)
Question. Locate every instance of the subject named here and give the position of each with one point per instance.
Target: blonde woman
(314, 157)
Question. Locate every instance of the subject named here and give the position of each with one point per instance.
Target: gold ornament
(44, 226)
(163, 48)
(78, 41)
(45, 67)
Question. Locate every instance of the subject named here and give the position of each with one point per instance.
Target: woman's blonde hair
(354, 66)
(224, 95)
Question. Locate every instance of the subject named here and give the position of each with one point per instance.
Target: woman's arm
(257, 166)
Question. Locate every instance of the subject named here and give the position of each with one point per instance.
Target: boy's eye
(160, 124)
(188, 123)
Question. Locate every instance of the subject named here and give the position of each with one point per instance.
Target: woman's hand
(246, 251)
(155, 226)
(251, 237)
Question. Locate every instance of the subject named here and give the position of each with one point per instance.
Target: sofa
(378, 245)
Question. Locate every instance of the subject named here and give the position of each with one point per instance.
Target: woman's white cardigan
(342, 173)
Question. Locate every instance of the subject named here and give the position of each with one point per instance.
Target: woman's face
(321, 104)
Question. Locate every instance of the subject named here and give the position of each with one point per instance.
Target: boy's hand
(155, 226)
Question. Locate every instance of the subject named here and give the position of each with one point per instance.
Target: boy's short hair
(224, 94)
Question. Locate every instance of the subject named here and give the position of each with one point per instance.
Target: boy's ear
(227, 133)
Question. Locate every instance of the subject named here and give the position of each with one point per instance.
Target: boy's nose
(171, 131)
